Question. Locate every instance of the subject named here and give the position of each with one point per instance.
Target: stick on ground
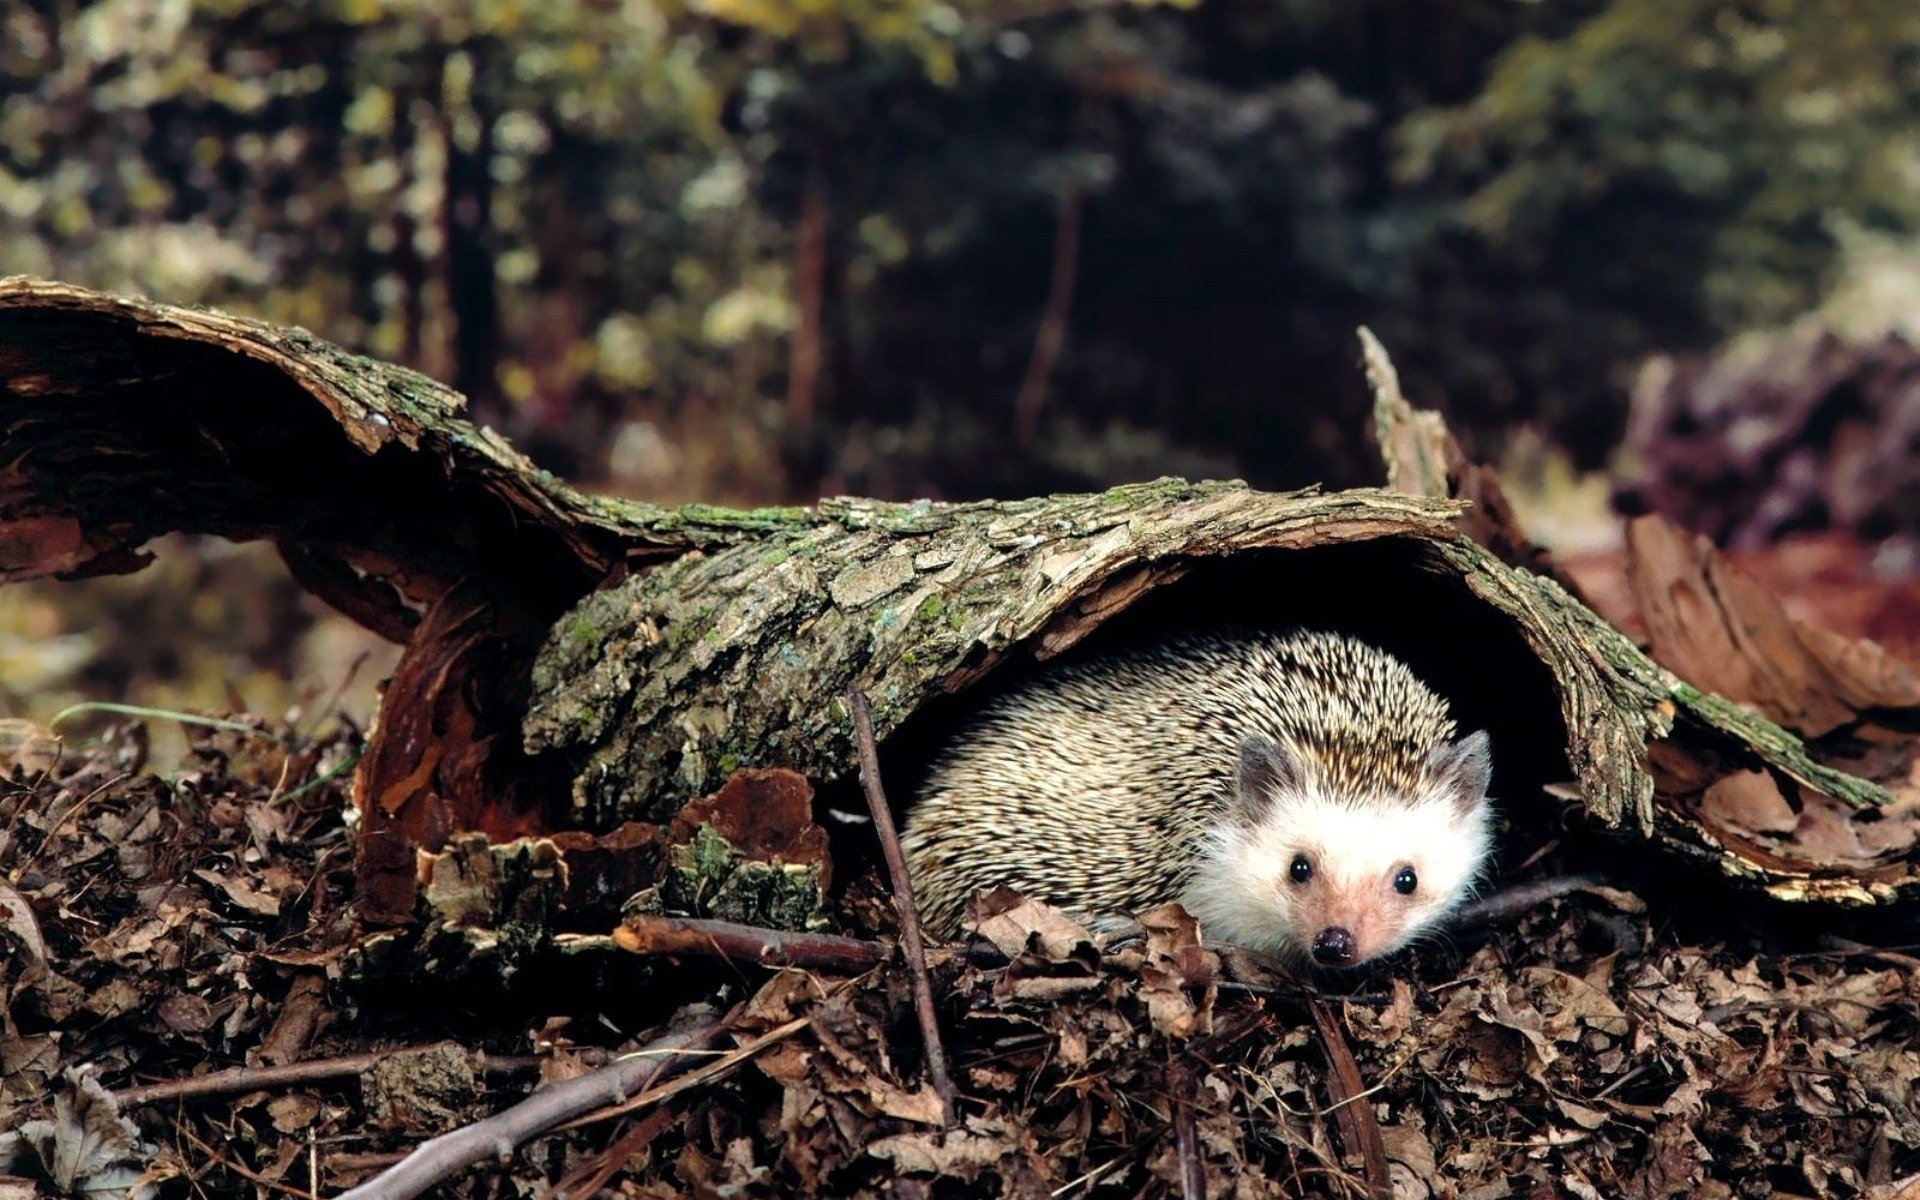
(434, 1162)
(1359, 1128)
(644, 933)
(251, 1079)
(910, 937)
(1524, 897)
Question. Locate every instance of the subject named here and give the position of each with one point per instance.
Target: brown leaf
(243, 894)
(1017, 926)
(18, 924)
(186, 1013)
(1176, 968)
(766, 815)
(1749, 802)
(32, 547)
(293, 1114)
(958, 1153)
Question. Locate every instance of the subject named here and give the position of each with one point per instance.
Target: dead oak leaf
(243, 895)
(1178, 979)
(1018, 926)
(1572, 1005)
(961, 1153)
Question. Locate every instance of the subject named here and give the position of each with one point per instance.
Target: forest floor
(1649, 1038)
(166, 919)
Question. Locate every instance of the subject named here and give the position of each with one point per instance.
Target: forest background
(751, 251)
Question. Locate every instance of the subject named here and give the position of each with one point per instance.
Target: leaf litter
(156, 933)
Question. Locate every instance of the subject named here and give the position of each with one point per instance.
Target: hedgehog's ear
(1465, 770)
(1266, 770)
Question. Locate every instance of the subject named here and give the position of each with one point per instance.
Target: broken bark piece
(125, 419)
(1423, 458)
(655, 687)
(749, 853)
(1713, 626)
(764, 814)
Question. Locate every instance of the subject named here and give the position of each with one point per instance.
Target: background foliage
(758, 249)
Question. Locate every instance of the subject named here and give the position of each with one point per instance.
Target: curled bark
(675, 646)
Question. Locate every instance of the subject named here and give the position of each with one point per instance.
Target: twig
(1510, 903)
(647, 934)
(592, 1175)
(439, 1159)
(251, 1079)
(1186, 1136)
(752, 945)
(1099, 1173)
(692, 1079)
(349, 1161)
(903, 896)
(244, 1172)
(1303, 992)
(1359, 1129)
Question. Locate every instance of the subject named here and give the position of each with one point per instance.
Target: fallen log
(577, 662)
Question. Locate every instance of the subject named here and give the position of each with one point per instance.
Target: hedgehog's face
(1342, 878)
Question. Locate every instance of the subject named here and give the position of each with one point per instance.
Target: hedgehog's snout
(1334, 947)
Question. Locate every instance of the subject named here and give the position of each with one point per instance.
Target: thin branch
(1186, 1135)
(592, 1175)
(1359, 1129)
(910, 937)
(692, 1079)
(253, 1079)
(1286, 991)
(752, 945)
(647, 934)
(435, 1161)
(1512, 902)
(1053, 318)
(245, 1172)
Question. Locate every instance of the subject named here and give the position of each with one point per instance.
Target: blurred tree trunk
(470, 243)
(810, 281)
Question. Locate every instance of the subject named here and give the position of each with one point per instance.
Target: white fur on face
(1242, 890)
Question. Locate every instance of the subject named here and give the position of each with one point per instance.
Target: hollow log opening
(1394, 592)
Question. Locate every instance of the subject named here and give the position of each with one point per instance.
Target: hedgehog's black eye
(1300, 870)
(1405, 881)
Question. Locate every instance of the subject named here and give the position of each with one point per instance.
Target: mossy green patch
(708, 877)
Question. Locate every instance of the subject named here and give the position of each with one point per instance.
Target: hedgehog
(1302, 793)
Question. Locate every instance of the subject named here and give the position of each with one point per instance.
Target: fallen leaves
(163, 928)
(1534, 1063)
(85, 1148)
